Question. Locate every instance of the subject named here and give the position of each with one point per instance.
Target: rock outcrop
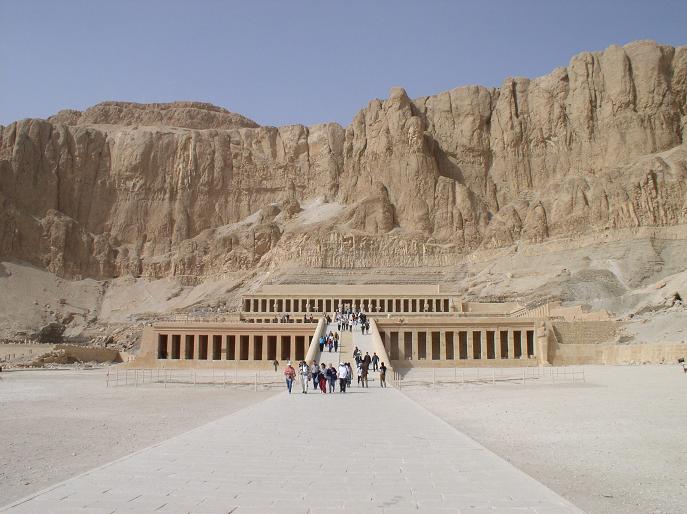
(189, 189)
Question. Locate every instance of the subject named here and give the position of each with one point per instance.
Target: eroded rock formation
(190, 189)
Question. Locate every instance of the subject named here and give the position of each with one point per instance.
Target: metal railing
(246, 379)
(461, 376)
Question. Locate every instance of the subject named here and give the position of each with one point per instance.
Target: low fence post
(107, 379)
(523, 376)
(434, 377)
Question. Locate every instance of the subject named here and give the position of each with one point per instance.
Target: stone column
(265, 345)
(511, 344)
(401, 342)
(292, 347)
(497, 343)
(442, 345)
(222, 346)
(251, 347)
(414, 348)
(196, 347)
(523, 344)
(483, 347)
(471, 345)
(279, 348)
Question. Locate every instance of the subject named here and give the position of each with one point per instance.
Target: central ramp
(369, 450)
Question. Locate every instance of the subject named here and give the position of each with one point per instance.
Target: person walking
(367, 360)
(305, 376)
(375, 362)
(364, 368)
(275, 363)
(331, 377)
(349, 374)
(343, 377)
(359, 371)
(323, 379)
(382, 375)
(315, 374)
(336, 343)
(290, 374)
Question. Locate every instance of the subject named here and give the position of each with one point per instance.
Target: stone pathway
(370, 450)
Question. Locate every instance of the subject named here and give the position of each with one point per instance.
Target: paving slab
(370, 450)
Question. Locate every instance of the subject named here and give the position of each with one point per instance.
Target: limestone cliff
(189, 189)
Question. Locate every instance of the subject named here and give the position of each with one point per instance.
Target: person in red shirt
(290, 374)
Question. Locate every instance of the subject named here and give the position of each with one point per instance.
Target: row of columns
(231, 347)
(387, 305)
(460, 344)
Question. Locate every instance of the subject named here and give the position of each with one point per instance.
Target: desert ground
(59, 423)
(615, 444)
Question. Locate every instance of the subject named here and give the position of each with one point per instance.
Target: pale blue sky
(290, 61)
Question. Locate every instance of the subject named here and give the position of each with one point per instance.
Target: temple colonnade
(470, 342)
(259, 304)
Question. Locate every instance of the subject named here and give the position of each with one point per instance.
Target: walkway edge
(530, 477)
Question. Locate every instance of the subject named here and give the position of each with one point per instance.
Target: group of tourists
(347, 319)
(323, 377)
(330, 341)
(363, 367)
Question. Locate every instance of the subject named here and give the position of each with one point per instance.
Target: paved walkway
(370, 450)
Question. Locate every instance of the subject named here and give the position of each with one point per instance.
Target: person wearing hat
(290, 374)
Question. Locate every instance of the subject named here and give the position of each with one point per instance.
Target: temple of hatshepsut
(411, 326)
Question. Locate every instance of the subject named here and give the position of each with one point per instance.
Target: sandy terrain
(56, 424)
(616, 444)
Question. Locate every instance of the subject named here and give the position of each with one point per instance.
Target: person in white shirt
(343, 377)
(304, 371)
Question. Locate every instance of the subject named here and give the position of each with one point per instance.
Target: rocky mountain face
(191, 190)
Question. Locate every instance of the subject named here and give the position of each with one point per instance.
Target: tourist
(343, 377)
(321, 343)
(290, 374)
(275, 363)
(305, 378)
(336, 343)
(359, 371)
(367, 360)
(323, 379)
(349, 374)
(364, 367)
(315, 375)
(375, 362)
(331, 377)
(382, 375)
